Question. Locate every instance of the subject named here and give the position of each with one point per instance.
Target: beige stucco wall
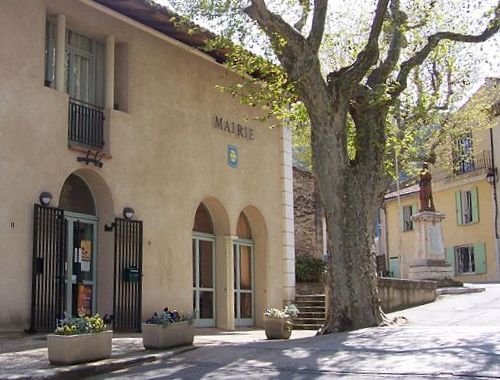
(403, 243)
(167, 157)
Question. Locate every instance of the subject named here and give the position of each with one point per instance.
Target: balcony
(86, 125)
(480, 160)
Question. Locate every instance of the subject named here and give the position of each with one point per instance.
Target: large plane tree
(349, 109)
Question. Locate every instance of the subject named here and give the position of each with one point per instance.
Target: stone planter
(157, 337)
(80, 348)
(278, 328)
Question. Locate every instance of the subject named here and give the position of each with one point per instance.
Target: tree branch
(306, 8)
(318, 24)
(433, 41)
(369, 55)
(382, 72)
(273, 24)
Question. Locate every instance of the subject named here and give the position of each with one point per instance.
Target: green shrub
(309, 269)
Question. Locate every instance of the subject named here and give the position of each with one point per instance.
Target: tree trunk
(350, 202)
(353, 297)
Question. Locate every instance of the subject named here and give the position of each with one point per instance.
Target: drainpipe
(495, 202)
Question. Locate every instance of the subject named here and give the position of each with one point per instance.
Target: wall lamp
(45, 197)
(492, 176)
(128, 213)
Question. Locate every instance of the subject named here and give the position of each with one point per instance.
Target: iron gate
(127, 298)
(49, 253)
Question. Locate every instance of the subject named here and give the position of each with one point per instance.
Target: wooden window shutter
(450, 257)
(458, 207)
(480, 258)
(475, 206)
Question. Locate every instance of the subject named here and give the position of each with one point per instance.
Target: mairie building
(128, 181)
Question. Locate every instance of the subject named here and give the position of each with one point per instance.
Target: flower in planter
(289, 311)
(83, 324)
(166, 317)
(278, 322)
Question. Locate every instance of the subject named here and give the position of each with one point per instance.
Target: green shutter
(458, 207)
(394, 267)
(450, 257)
(414, 210)
(475, 208)
(480, 258)
(401, 219)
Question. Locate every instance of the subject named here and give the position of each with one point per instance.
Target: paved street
(458, 336)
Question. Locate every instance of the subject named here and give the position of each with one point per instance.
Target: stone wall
(308, 288)
(396, 294)
(307, 217)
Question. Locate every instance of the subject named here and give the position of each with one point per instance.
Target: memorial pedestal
(430, 262)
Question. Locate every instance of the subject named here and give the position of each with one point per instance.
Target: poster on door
(84, 304)
(86, 255)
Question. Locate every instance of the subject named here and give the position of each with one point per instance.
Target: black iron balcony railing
(86, 124)
(480, 160)
(476, 162)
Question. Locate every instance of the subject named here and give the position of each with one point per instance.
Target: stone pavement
(25, 356)
(455, 337)
(458, 336)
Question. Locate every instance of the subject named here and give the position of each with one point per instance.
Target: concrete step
(319, 314)
(309, 303)
(308, 321)
(311, 307)
(309, 297)
(300, 326)
(312, 311)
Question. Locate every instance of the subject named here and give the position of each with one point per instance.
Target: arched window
(243, 274)
(203, 221)
(76, 196)
(203, 248)
(243, 228)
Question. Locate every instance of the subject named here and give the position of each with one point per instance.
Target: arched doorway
(203, 250)
(243, 259)
(80, 273)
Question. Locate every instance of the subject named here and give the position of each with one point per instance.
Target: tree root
(396, 321)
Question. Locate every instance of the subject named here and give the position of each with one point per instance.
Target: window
(405, 215)
(467, 259)
(467, 206)
(50, 54)
(464, 154)
(464, 258)
(83, 66)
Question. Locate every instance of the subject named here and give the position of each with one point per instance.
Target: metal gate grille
(127, 300)
(49, 254)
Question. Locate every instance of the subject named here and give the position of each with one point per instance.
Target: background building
(466, 195)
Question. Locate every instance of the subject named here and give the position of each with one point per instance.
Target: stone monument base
(430, 260)
(431, 269)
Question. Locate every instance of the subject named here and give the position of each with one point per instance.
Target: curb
(458, 290)
(78, 371)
